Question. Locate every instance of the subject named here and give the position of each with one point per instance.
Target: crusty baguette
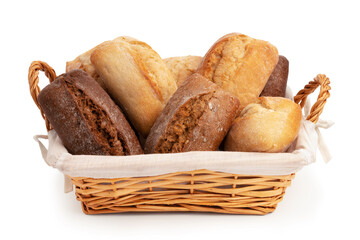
(269, 125)
(85, 117)
(137, 79)
(276, 85)
(196, 118)
(182, 67)
(240, 64)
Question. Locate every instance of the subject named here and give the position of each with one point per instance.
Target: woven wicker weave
(196, 191)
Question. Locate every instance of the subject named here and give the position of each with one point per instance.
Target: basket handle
(33, 78)
(316, 110)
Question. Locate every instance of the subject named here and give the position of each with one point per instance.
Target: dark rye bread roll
(196, 118)
(276, 85)
(85, 117)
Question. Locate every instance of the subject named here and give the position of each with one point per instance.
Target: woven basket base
(193, 191)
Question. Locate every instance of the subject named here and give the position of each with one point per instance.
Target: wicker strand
(234, 185)
(150, 188)
(316, 110)
(192, 183)
(33, 78)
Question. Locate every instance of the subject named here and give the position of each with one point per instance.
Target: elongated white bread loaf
(136, 78)
(83, 62)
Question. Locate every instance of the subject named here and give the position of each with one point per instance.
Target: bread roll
(85, 118)
(240, 64)
(276, 85)
(83, 62)
(137, 79)
(182, 67)
(196, 118)
(269, 125)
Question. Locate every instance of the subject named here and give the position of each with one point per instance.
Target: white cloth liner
(301, 153)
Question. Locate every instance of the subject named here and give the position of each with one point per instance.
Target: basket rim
(302, 153)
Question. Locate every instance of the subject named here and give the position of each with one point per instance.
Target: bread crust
(276, 85)
(239, 64)
(182, 67)
(214, 109)
(269, 125)
(83, 62)
(136, 78)
(63, 102)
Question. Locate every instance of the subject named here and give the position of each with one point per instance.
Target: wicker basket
(196, 191)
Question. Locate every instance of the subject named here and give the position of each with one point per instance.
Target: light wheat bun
(136, 78)
(182, 67)
(240, 64)
(83, 62)
(269, 125)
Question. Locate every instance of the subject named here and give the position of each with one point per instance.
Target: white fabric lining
(301, 153)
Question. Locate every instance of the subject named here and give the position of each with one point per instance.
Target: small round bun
(269, 125)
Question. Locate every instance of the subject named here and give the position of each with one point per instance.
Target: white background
(316, 37)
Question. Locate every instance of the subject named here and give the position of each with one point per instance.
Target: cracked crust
(270, 124)
(182, 67)
(196, 118)
(240, 65)
(137, 79)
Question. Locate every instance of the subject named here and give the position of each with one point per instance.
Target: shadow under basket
(190, 191)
